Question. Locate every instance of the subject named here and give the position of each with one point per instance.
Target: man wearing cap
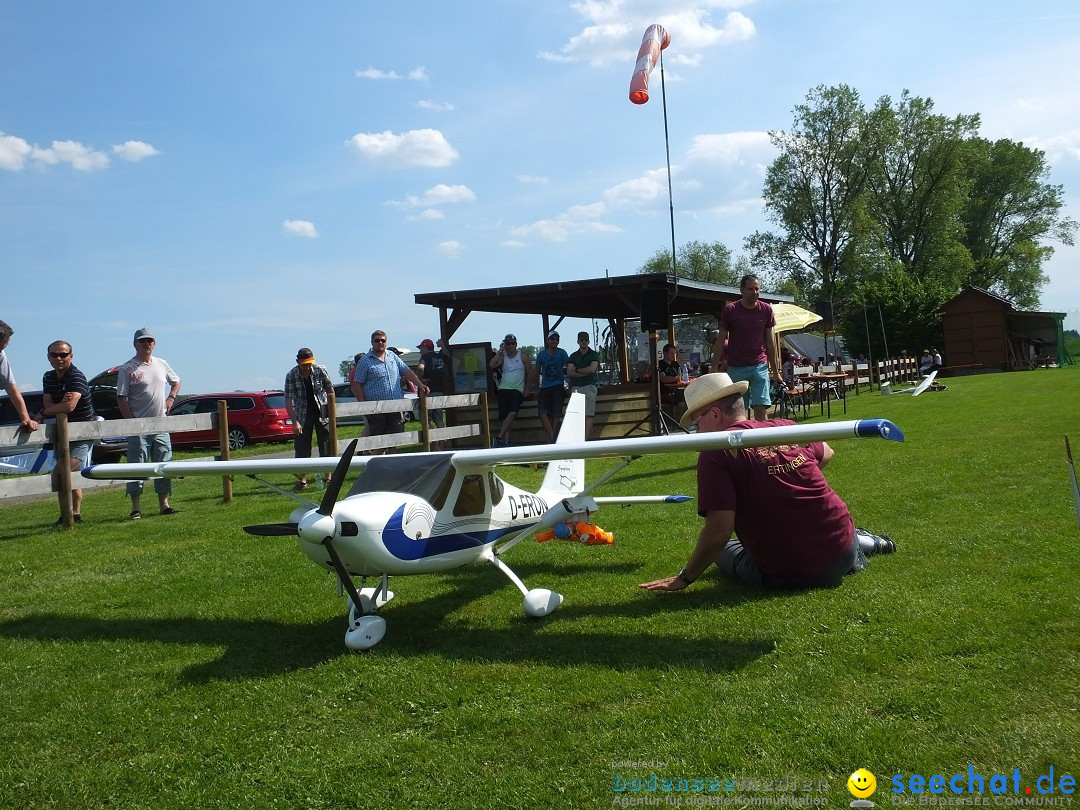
(378, 376)
(550, 375)
(141, 385)
(794, 531)
(745, 347)
(515, 383)
(307, 392)
(434, 369)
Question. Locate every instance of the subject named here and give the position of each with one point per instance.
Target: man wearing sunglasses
(378, 376)
(141, 385)
(66, 391)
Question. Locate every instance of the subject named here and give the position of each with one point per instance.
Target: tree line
(894, 209)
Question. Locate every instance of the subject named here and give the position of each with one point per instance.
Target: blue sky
(247, 179)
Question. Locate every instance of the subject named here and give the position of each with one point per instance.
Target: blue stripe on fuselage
(406, 548)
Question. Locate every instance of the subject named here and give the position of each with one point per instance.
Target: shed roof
(611, 297)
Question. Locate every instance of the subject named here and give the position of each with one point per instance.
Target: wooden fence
(15, 440)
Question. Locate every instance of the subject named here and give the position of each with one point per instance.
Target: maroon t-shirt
(746, 332)
(786, 515)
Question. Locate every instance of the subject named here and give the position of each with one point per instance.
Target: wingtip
(883, 428)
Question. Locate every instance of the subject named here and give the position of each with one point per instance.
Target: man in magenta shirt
(793, 530)
(750, 351)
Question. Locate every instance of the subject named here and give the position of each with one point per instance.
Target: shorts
(383, 424)
(758, 377)
(80, 451)
(550, 400)
(510, 400)
(590, 398)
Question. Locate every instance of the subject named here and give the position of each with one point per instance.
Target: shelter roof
(612, 297)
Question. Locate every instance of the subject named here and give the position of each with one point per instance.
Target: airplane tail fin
(567, 477)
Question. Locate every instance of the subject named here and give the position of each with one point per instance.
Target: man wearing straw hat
(793, 530)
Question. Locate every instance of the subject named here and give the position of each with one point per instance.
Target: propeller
(273, 529)
(325, 510)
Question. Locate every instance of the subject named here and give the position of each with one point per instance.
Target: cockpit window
(471, 499)
(427, 476)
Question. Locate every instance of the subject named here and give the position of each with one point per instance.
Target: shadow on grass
(260, 648)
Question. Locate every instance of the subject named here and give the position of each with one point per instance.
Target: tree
(814, 191)
(700, 261)
(1009, 211)
(345, 368)
(917, 188)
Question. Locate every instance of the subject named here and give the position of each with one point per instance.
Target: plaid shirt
(380, 379)
(297, 392)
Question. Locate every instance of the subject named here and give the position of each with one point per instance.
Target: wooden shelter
(654, 299)
(985, 332)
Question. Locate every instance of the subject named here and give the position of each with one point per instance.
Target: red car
(256, 416)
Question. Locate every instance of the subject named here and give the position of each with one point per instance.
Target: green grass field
(177, 662)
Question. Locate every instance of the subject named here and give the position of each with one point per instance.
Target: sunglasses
(59, 355)
(378, 340)
(146, 340)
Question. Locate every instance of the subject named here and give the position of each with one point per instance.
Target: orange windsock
(655, 40)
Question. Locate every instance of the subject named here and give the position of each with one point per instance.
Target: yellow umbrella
(790, 318)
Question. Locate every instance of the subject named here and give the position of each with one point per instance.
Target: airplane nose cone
(314, 528)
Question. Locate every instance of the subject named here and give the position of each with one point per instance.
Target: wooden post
(425, 425)
(485, 417)
(62, 451)
(331, 411)
(226, 451)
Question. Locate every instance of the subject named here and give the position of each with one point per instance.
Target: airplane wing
(479, 460)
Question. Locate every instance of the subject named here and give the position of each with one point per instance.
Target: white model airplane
(419, 513)
(923, 385)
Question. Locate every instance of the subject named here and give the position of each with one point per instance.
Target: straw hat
(709, 388)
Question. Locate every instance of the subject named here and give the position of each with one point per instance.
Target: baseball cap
(145, 332)
(553, 333)
(426, 343)
(305, 357)
(510, 339)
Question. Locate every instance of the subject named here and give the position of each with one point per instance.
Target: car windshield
(421, 475)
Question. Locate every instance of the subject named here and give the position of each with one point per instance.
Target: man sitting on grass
(793, 530)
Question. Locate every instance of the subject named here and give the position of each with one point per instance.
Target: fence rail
(60, 433)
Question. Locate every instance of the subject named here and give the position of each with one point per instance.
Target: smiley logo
(862, 783)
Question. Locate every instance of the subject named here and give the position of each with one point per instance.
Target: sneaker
(496, 442)
(77, 518)
(168, 510)
(135, 514)
(885, 545)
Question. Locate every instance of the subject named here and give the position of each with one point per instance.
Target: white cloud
(417, 147)
(512, 243)
(732, 148)
(431, 213)
(435, 106)
(440, 194)
(299, 227)
(578, 219)
(417, 74)
(614, 29)
(638, 192)
(529, 178)
(13, 152)
(375, 73)
(134, 151)
(82, 158)
(451, 248)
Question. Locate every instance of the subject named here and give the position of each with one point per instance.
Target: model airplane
(923, 385)
(419, 513)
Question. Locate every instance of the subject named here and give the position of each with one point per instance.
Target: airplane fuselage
(401, 533)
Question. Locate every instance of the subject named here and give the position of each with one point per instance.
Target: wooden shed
(985, 332)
